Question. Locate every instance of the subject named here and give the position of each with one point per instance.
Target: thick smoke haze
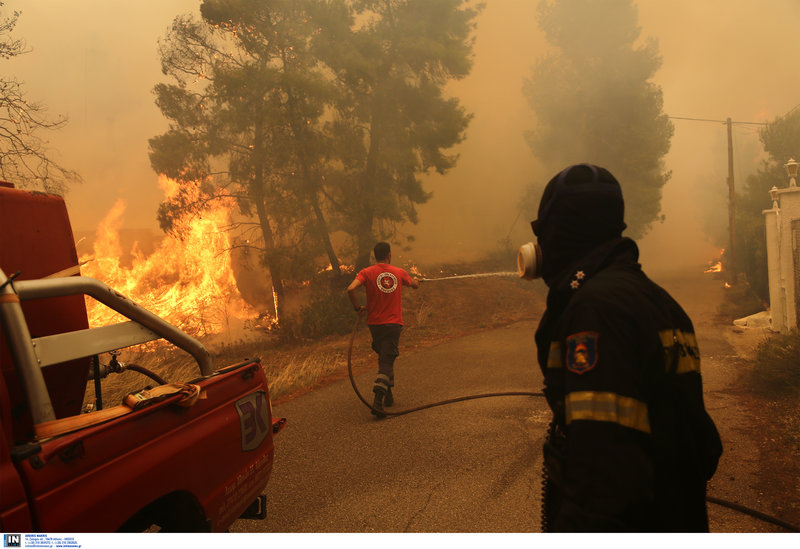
(96, 62)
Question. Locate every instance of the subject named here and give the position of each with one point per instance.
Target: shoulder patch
(582, 352)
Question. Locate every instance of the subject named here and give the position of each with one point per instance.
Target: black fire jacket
(631, 445)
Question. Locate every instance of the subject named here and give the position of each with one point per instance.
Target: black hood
(581, 208)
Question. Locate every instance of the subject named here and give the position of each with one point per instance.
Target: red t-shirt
(384, 284)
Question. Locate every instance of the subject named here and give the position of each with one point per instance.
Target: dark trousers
(385, 342)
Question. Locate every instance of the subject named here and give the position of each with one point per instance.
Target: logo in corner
(12, 540)
(582, 352)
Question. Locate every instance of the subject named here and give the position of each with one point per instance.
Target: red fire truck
(193, 455)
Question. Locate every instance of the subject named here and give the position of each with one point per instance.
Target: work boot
(388, 400)
(377, 404)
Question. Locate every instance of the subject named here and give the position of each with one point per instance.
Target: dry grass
(775, 377)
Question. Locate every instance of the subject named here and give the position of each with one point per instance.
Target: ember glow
(188, 282)
(414, 270)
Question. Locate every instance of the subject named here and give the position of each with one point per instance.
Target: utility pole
(731, 267)
(731, 250)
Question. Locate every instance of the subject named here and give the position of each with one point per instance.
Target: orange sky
(96, 62)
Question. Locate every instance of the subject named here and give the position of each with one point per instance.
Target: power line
(696, 119)
(717, 121)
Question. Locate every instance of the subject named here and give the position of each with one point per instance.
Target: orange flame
(343, 268)
(189, 282)
(715, 266)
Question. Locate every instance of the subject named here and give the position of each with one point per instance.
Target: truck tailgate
(219, 450)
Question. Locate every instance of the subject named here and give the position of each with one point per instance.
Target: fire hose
(718, 501)
(425, 406)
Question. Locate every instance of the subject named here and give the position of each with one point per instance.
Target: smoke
(720, 59)
(96, 62)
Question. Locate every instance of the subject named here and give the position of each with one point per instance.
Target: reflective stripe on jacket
(622, 376)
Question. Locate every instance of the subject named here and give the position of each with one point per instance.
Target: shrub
(328, 313)
(777, 372)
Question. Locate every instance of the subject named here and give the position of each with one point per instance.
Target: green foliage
(393, 120)
(595, 103)
(245, 110)
(316, 116)
(781, 140)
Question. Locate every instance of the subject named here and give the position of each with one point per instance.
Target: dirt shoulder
(770, 427)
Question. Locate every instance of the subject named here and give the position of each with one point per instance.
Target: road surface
(471, 466)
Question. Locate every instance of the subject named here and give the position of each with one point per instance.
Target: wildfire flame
(189, 282)
(343, 268)
(715, 266)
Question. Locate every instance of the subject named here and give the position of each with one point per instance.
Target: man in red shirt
(383, 283)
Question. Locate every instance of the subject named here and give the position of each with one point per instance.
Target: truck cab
(190, 455)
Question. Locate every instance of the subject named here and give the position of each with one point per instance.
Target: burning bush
(187, 280)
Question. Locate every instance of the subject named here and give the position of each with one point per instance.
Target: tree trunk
(278, 291)
(300, 134)
(324, 234)
(257, 192)
(365, 238)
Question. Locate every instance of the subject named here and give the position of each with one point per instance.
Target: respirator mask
(591, 210)
(529, 261)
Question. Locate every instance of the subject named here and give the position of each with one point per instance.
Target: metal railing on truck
(31, 354)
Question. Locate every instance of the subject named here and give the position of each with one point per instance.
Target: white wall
(783, 283)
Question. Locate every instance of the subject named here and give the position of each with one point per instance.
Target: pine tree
(594, 101)
(246, 110)
(781, 140)
(393, 121)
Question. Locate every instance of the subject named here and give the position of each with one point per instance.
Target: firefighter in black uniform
(630, 447)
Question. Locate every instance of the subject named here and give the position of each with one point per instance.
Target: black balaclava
(581, 207)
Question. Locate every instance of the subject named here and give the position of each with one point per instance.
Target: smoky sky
(96, 62)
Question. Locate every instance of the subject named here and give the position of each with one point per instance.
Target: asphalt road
(471, 466)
